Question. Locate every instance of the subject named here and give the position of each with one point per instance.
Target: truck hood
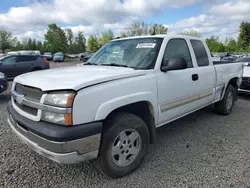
(246, 72)
(75, 77)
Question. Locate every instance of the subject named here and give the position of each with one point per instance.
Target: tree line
(57, 39)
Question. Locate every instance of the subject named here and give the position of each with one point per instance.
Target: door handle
(195, 77)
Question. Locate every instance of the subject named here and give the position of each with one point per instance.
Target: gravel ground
(199, 150)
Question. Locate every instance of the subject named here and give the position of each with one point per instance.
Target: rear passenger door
(206, 73)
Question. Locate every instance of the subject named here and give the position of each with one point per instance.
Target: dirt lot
(200, 150)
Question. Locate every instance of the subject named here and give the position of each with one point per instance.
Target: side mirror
(173, 64)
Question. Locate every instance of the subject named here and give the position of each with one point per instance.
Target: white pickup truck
(110, 107)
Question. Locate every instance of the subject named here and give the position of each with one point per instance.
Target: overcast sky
(29, 18)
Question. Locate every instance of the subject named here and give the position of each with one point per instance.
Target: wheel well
(145, 111)
(234, 82)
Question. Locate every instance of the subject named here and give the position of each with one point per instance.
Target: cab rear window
(200, 53)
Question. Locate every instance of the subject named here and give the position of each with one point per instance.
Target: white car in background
(13, 53)
(245, 85)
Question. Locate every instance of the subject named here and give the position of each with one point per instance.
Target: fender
(106, 108)
(229, 79)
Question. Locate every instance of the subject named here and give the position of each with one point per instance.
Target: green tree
(25, 43)
(214, 45)
(39, 46)
(192, 33)
(106, 37)
(244, 36)
(70, 36)
(34, 47)
(138, 28)
(231, 45)
(56, 38)
(158, 29)
(29, 45)
(80, 42)
(93, 44)
(19, 46)
(6, 40)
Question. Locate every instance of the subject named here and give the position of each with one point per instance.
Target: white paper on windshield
(146, 45)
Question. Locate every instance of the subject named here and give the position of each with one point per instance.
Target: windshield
(139, 53)
(58, 54)
(47, 53)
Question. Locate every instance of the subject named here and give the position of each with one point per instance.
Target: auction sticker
(146, 45)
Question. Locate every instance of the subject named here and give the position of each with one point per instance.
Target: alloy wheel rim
(229, 101)
(126, 147)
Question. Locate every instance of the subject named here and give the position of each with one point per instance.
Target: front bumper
(244, 91)
(65, 147)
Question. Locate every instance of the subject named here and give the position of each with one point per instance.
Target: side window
(177, 48)
(25, 58)
(19, 58)
(9, 61)
(200, 53)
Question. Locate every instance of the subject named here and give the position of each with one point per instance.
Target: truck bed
(226, 71)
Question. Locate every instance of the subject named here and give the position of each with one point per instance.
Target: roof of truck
(159, 36)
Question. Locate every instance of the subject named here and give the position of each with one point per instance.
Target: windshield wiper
(89, 63)
(115, 65)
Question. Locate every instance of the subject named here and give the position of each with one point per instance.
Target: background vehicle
(3, 83)
(111, 106)
(13, 53)
(58, 57)
(15, 65)
(87, 57)
(29, 52)
(48, 56)
(82, 55)
(245, 85)
(244, 60)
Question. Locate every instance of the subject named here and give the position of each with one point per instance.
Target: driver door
(177, 89)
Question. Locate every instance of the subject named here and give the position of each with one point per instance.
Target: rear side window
(25, 58)
(200, 53)
(178, 48)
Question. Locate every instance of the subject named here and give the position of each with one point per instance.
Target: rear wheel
(124, 144)
(224, 107)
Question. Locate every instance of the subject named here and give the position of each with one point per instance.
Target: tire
(224, 107)
(114, 165)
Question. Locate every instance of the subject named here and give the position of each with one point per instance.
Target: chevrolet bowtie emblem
(18, 97)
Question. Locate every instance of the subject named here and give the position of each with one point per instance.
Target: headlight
(61, 119)
(59, 99)
(62, 99)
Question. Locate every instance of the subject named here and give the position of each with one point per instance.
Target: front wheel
(124, 144)
(224, 107)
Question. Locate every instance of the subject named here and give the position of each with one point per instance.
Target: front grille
(27, 109)
(29, 92)
(245, 83)
(245, 78)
